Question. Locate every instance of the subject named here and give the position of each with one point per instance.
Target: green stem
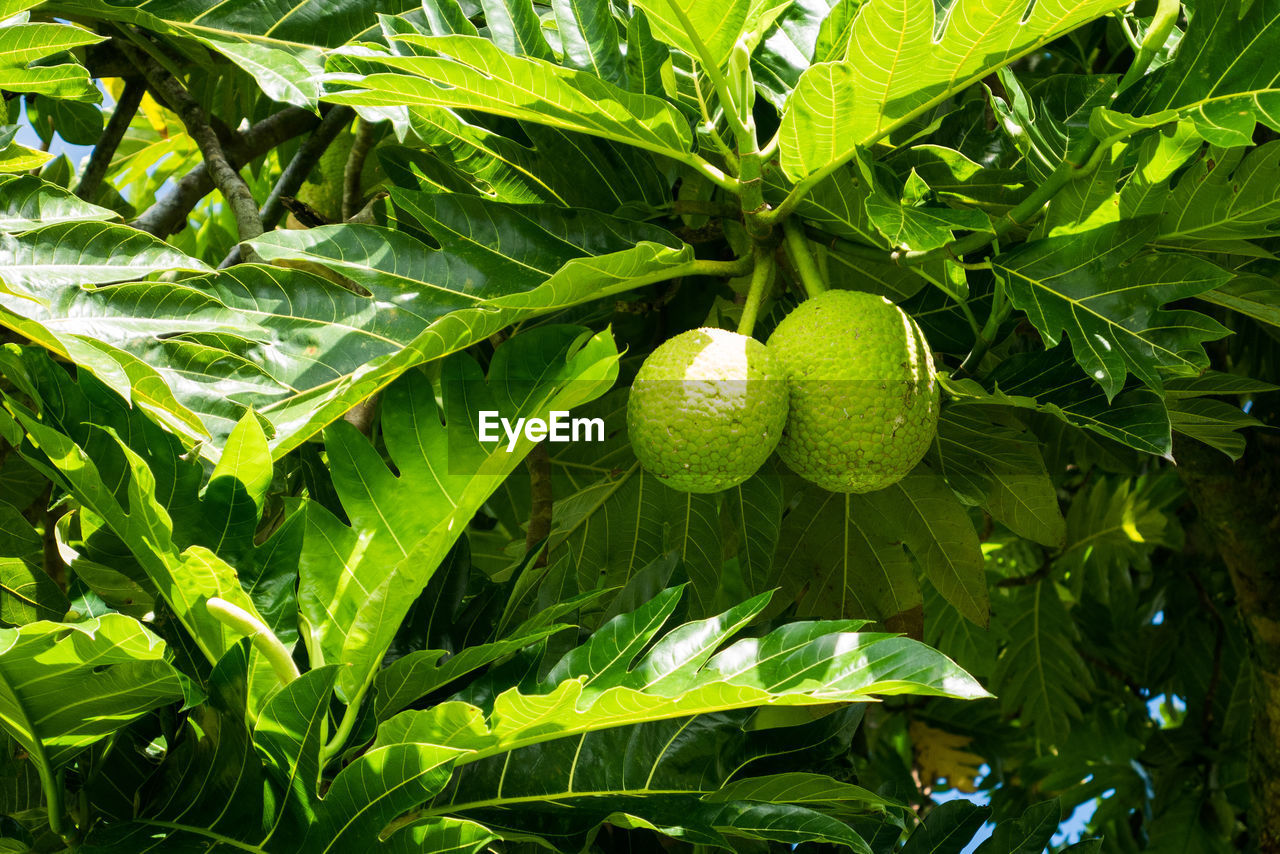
(712, 173)
(1088, 156)
(801, 258)
(751, 194)
(953, 296)
(52, 785)
(713, 71)
(264, 640)
(770, 149)
(710, 125)
(1167, 12)
(349, 715)
(759, 284)
(1000, 309)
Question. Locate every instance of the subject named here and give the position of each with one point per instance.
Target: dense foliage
(264, 588)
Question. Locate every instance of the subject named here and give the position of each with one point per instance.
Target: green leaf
(1028, 834)
(956, 637)
(1218, 79)
(1106, 294)
(1226, 194)
(112, 666)
(472, 73)
(657, 773)
(26, 202)
(990, 459)
(203, 343)
(799, 787)
(751, 521)
(846, 552)
(1039, 673)
(124, 496)
(1112, 528)
(609, 683)
(1051, 382)
(589, 38)
(1253, 296)
(843, 563)
(688, 24)
(936, 530)
(1213, 422)
(358, 581)
(27, 593)
(788, 49)
(22, 45)
(948, 828)
(1046, 122)
(646, 57)
(280, 46)
(908, 221)
(44, 259)
(899, 60)
(514, 26)
(218, 771)
(424, 671)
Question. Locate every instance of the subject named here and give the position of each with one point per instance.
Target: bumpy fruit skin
(706, 409)
(864, 400)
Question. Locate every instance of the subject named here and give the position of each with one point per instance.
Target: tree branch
(105, 150)
(169, 214)
(1238, 505)
(225, 176)
(352, 173)
(295, 174)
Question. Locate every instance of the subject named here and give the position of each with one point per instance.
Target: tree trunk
(1239, 505)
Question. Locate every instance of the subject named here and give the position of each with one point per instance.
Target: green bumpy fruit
(706, 409)
(864, 400)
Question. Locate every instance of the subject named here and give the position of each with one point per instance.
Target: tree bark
(1239, 505)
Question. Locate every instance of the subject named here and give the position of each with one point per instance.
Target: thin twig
(169, 214)
(295, 174)
(105, 150)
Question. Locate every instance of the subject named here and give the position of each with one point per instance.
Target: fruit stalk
(264, 640)
(801, 258)
(760, 276)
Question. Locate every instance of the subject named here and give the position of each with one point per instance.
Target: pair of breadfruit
(844, 391)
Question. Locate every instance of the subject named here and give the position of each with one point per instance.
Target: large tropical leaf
(708, 31)
(1107, 297)
(301, 349)
(1050, 381)
(1039, 671)
(899, 60)
(228, 788)
(991, 459)
(81, 439)
(27, 202)
(64, 686)
(844, 555)
(23, 45)
(85, 253)
(279, 44)
(358, 581)
(608, 682)
(469, 72)
(1222, 77)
